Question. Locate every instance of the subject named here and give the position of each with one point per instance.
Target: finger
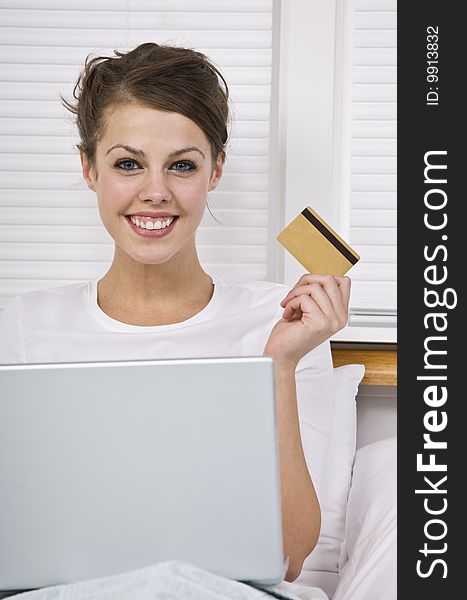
(338, 290)
(344, 284)
(305, 279)
(317, 292)
(291, 313)
(328, 282)
(301, 304)
(325, 325)
(309, 278)
(332, 289)
(331, 295)
(313, 278)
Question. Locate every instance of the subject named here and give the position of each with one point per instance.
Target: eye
(127, 164)
(183, 166)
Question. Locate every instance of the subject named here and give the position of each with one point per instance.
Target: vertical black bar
(431, 320)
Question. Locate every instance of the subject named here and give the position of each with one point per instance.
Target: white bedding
(166, 581)
(369, 568)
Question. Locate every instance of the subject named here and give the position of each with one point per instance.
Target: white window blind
(366, 153)
(50, 232)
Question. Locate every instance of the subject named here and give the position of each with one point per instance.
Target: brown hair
(162, 77)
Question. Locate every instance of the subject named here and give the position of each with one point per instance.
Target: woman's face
(152, 173)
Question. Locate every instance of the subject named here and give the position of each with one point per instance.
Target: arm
(314, 310)
(301, 516)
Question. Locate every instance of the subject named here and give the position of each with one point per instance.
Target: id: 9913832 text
(432, 49)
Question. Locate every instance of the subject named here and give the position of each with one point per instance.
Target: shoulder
(38, 301)
(259, 305)
(250, 294)
(31, 319)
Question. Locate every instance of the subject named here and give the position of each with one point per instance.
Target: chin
(151, 257)
(150, 260)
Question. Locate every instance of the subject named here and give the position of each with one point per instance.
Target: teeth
(148, 224)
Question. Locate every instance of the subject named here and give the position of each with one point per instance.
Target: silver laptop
(109, 467)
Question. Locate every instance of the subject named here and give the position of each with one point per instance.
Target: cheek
(194, 192)
(197, 204)
(113, 192)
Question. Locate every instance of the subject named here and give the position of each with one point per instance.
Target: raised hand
(314, 310)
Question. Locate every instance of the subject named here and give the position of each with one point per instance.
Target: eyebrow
(127, 148)
(137, 152)
(184, 150)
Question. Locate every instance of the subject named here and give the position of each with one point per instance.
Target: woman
(153, 127)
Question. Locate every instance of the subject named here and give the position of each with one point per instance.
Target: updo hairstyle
(163, 77)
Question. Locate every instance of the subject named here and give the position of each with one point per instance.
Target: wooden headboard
(380, 360)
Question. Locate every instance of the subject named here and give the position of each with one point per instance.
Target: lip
(152, 233)
(153, 215)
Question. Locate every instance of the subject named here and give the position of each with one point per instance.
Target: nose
(154, 188)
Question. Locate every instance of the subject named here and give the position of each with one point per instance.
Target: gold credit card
(316, 246)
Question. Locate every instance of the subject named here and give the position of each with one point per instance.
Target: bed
(355, 558)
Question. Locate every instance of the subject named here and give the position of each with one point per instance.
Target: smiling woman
(152, 171)
(153, 128)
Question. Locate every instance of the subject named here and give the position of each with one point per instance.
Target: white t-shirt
(66, 324)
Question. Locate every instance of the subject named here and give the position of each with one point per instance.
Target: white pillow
(370, 532)
(328, 430)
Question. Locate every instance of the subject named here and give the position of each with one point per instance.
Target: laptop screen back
(109, 467)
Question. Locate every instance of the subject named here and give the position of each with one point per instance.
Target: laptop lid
(109, 467)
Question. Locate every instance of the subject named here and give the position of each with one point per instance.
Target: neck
(142, 294)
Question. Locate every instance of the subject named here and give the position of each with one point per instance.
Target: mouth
(152, 226)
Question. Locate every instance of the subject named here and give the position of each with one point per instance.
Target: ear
(88, 171)
(217, 173)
